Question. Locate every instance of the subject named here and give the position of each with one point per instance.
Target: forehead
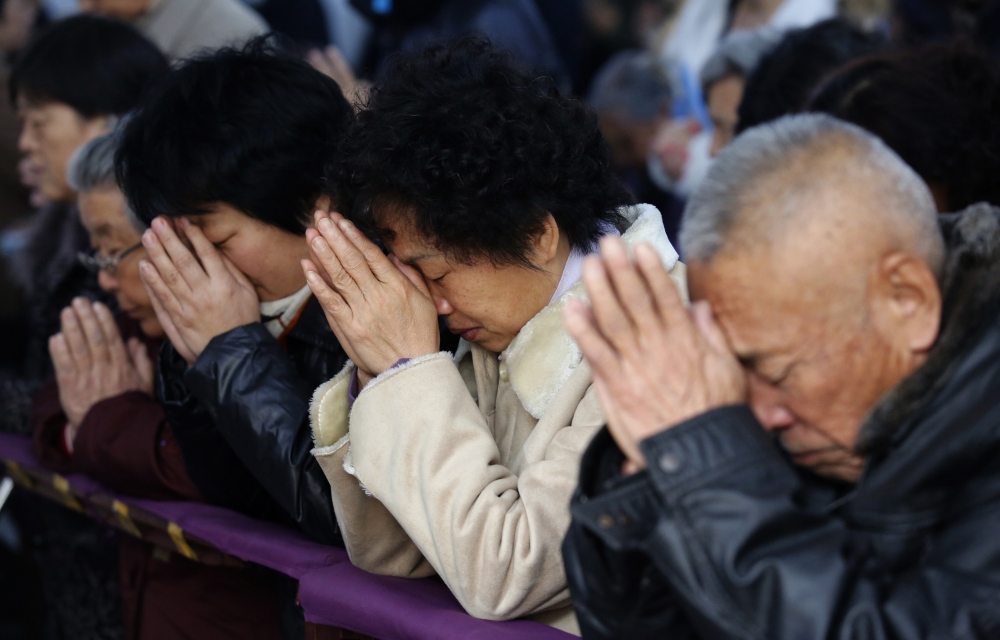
(102, 211)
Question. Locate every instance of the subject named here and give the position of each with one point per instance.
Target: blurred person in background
(784, 79)
(224, 161)
(922, 22)
(724, 77)
(407, 25)
(632, 98)
(181, 28)
(683, 145)
(938, 108)
(98, 416)
(70, 83)
(17, 20)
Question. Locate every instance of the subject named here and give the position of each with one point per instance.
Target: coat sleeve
(211, 463)
(123, 442)
(260, 404)
(48, 421)
(617, 592)
(421, 446)
(748, 560)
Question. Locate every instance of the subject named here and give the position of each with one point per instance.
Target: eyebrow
(415, 259)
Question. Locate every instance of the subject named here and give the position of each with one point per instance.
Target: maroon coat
(126, 444)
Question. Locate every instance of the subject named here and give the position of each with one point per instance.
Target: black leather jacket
(241, 417)
(723, 538)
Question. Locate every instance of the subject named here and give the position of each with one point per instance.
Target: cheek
(131, 287)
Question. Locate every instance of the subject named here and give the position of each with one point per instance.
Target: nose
(26, 142)
(443, 306)
(107, 281)
(767, 404)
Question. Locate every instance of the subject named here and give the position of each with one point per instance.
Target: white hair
(731, 195)
(92, 167)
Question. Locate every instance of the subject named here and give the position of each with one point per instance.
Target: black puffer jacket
(241, 417)
(723, 538)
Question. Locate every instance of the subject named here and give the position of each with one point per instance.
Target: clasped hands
(92, 363)
(655, 363)
(380, 309)
(196, 291)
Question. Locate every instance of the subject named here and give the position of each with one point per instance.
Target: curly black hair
(252, 127)
(476, 151)
(937, 107)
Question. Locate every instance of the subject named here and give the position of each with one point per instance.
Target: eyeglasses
(95, 262)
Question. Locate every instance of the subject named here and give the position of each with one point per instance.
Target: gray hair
(739, 53)
(634, 83)
(740, 188)
(92, 167)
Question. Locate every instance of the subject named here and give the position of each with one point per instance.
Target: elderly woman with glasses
(99, 417)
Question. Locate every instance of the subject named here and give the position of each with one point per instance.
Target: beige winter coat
(465, 466)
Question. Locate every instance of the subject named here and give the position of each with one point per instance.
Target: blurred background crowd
(671, 81)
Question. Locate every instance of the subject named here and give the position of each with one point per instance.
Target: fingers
(411, 274)
(610, 317)
(331, 301)
(630, 287)
(143, 364)
(158, 289)
(166, 322)
(356, 253)
(667, 298)
(330, 261)
(580, 322)
(378, 263)
(97, 342)
(112, 337)
(62, 360)
(210, 257)
(178, 267)
(76, 341)
(710, 330)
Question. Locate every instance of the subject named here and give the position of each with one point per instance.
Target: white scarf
(278, 315)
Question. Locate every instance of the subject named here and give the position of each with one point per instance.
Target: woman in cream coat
(462, 466)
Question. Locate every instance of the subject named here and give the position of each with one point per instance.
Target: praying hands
(198, 295)
(380, 309)
(655, 364)
(92, 363)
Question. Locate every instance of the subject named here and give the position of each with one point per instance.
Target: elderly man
(813, 450)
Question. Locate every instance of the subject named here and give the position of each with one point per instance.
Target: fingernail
(318, 243)
(325, 225)
(148, 237)
(345, 224)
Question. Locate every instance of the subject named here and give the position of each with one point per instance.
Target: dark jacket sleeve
(260, 403)
(211, 463)
(124, 443)
(617, 592)
(746, 559)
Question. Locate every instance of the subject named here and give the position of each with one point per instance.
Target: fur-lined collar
(971, 288)
(542, 356)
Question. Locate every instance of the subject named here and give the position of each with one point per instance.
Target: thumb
(414, 276)
(143, 365)
(709, 329)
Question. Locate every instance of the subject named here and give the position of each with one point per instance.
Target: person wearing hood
(487, 187)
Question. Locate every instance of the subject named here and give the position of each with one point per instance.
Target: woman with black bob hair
(488, 188)
(224, 162)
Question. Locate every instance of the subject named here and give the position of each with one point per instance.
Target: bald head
(763, 189)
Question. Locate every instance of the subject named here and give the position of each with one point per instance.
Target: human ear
(911, 298)
(546, 243)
